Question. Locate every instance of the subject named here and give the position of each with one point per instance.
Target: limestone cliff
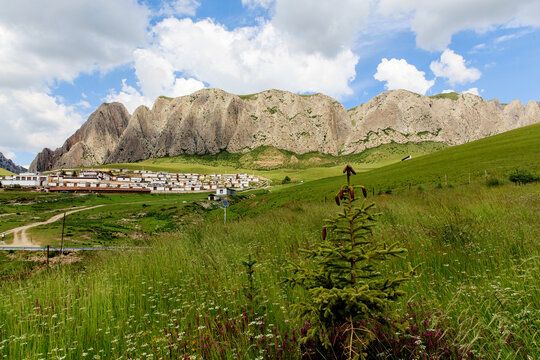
(91, 144)
(212, 120)
(402, 116)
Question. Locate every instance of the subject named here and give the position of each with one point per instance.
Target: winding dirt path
(20, 238)
(8, 214)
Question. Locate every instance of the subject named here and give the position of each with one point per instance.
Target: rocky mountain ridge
(9, 165)
(212, 120)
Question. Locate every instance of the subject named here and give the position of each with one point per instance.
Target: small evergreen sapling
(249, 289)
(343, 279)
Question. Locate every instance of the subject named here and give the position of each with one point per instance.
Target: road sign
(225, 203)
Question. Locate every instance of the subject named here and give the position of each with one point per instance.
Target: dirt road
(20, 238)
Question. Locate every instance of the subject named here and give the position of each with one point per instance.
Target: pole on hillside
(62, 241)
(48, 255)
(485, 174)
(225, 215)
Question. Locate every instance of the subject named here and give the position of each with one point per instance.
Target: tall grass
(477, 246)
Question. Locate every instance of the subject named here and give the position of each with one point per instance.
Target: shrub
(343, 281)
(493, 181)
(523, 176)
(286, 180)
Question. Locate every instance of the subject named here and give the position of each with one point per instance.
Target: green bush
(286, 180)
(523, 176)
(493, 181)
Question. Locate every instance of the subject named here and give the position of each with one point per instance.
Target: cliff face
(91, 144)
(402, 116)
(9, 165)
(212, 120)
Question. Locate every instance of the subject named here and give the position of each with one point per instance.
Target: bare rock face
(402, 116)
(9, 165)
(91, 144)
(212, 120)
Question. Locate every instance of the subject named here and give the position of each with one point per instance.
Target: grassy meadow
(275, 164)
(4, 172)
(122, 219)
(188, 296)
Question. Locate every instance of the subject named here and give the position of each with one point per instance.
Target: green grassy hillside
(4, 172)
(497, 156)
(275, 164)
(185, 296)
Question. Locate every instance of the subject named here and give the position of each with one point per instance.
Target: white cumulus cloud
(32, 120)
(43, 43)
(180, 8)
(243, 60)
(473, 91)
(10, 155)
(55, 40)
(398, 74)
(265, 4)
(434, 22)
(321, 26)
(129, 96)
(133, 98)
(453, 67)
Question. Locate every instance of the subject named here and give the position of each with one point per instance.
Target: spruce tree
(342, 276)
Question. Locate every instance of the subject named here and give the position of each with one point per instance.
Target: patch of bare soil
(314, 160)
(270, 163)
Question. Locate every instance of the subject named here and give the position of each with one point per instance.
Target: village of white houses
(130, 181)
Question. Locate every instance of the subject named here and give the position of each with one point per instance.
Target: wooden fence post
(62, 241)
(48, 246)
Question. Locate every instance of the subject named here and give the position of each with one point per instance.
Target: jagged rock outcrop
(91, 144)
(212, 120)
(9, 165)
(402, 116)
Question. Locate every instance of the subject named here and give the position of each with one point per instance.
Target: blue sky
(60, 59)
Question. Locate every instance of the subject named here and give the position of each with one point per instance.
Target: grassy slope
(124, 218)
(478, 247)
(4, 172)
(276, 164)
(497, 155)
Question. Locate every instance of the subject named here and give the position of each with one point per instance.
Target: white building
(225, 191)
(24, 180)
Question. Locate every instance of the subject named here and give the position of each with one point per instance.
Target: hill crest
(212, 120)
